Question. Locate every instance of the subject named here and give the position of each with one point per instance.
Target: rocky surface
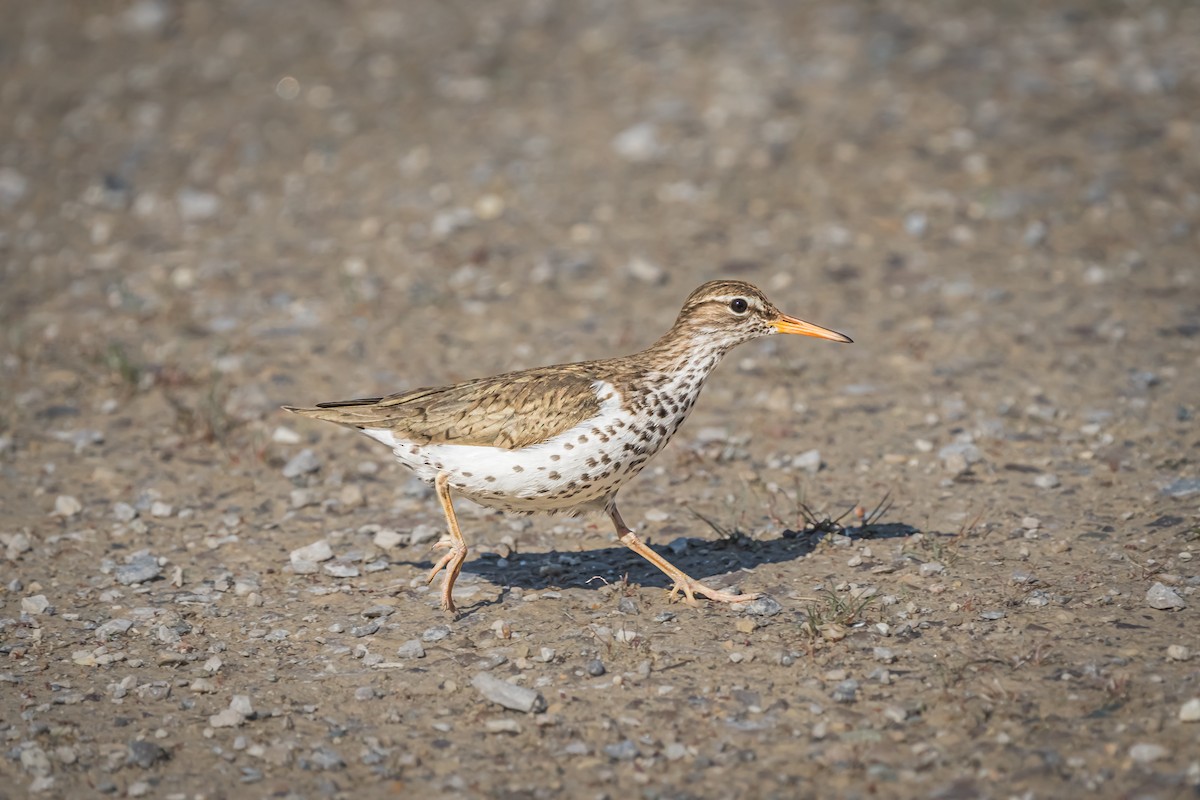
(978, 528)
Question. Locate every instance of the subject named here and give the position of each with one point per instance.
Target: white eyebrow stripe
(726, 298)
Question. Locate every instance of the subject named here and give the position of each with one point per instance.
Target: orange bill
(786, 324)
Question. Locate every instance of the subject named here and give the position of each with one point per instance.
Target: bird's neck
(684, 352)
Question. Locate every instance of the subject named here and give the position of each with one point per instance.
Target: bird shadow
(700, 558)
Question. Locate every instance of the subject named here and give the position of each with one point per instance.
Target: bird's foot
(451, 562)
(690, 587)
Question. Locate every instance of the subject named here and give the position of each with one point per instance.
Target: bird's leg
(689, 586)
(452, 562)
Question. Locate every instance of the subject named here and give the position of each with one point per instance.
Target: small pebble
(930, 568)
(36, 604)
(387, 539)
(1163, 597)
(958, 457)
(502, 725)
(638, 143)
(424, 533)
(1190, 711)
(160, 509)
(112, 628)
(595, 667)
(1047, 480)
(145, 754)
(283, 435)
(411, 649)
(316, 552)
(227, 718)
(1182, 487)
(141, 567)
(326, 758)
(883, 654)
(1179, 652)
(123, 512)
(809, 461)
(509, 695)
(765, 606)
(242, 705)
(66, 505)
(624, 750)
(364, 694)
(340, 569)
(371, 628)
(302, 463)
(845, 692)
(435, 634)
(1148, 752)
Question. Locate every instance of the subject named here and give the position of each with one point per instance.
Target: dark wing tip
(366, 401)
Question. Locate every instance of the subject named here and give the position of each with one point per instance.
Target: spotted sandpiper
(566, 438)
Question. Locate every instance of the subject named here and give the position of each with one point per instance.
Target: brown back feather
(509, 411)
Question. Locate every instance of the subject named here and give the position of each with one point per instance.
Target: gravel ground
(978, 527)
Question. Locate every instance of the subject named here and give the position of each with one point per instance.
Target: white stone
(316, 552)
(1148, 752)
(809, 461)
(36, 604)
(66, 505)
(638, 143)
(387, 539)
(284, 435)
(1047, 480)
(1163, 597)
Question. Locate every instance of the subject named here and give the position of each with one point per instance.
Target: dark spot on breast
(583, 439)
(661, 412)
(466, 474)
(554, 476)
(591, 462)
(518, 468)
(490, 478)
(604, 458)
(555, 457)
(585, 477)
(568, 446)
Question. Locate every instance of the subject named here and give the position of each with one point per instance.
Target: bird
(566, 438)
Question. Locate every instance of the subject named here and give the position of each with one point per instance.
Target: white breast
(578, 467)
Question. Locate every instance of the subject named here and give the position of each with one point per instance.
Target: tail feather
(343, 412)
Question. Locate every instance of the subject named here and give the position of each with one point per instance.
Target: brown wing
(509, 411)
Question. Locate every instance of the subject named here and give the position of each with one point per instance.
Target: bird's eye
(738, 305)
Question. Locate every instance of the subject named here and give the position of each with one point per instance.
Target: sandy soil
(210, 209)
